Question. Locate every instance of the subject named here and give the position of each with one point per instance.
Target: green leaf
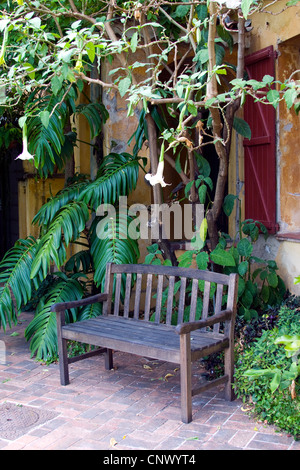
(268, 79)
(245, 6)
(203, 229)
(273, 97)
(30, 70)
(110, 243)
(290, 96)
(68, 223)
(15, 283)
(45, 116)
(42, 330)
(242, 127)
(229, 203)
(275, 381)
(124, 85)
(222, 257)
(117, 176)
(91, 51)
(202, 193)
(247, 299)
(134, 42)
(265, 293)
(35, 22)
(272, 279)
(244, 247)
(292, 2)
(202, 260)
(56, 85)
(243, 268)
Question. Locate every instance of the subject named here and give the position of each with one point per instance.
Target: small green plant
(267, 374)
(259, 283)
(155, 257)
(282, 378)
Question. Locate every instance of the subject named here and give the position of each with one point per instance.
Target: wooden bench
(127, 324)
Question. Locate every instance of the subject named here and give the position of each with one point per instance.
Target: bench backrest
(186, 293)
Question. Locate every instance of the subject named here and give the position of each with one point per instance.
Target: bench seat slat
(139, 337)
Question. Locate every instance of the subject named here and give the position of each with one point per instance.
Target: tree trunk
(219, 131)
(163, 243)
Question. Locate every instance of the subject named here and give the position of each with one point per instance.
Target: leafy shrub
(264, 375)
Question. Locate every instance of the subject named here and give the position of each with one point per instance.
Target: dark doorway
(11, 171)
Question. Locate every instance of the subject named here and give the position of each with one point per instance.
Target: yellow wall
(33, 193)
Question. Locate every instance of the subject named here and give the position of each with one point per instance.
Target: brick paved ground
(134, 407)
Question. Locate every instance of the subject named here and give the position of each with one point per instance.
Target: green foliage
(267, 373)
(47, 116)
(259, 283)
(26, 271)
(154, 257)
(117, 176)
(42, 330)
(15, 283)
(110, 242)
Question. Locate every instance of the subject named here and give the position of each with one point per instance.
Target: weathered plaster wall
(33, 193)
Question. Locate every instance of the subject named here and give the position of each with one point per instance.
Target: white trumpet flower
(232, 4)
(158, 177)
(25, 155)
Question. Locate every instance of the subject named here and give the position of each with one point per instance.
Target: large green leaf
(42, 330)
(110, 244)
(222, 257)
(15, 280)
(65, 227)
(49, 210)
(96, 115)
(117, 176)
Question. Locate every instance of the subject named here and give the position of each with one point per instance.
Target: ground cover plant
(268, 370)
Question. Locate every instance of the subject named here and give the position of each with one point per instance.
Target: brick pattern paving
(136, 406)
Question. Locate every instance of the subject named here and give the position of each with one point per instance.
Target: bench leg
(62, 352)
(109, 359)
(185, 378)
(229, 370)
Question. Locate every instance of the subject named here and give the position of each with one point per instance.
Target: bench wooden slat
(127, 295)
(117, 294)
(148, 297)
(170, 300)
(206, 300)
(181, 302)
(159, 298)
(138, 288)
(218, 305)
(190, 273)
(194, 300)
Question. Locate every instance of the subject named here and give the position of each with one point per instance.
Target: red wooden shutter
(260, 151)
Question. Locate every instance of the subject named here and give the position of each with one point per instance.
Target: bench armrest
(78, 303)
(187, 327)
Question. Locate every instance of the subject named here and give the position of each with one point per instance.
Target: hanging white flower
(232, 4)
(158, 178)
(25, 155)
